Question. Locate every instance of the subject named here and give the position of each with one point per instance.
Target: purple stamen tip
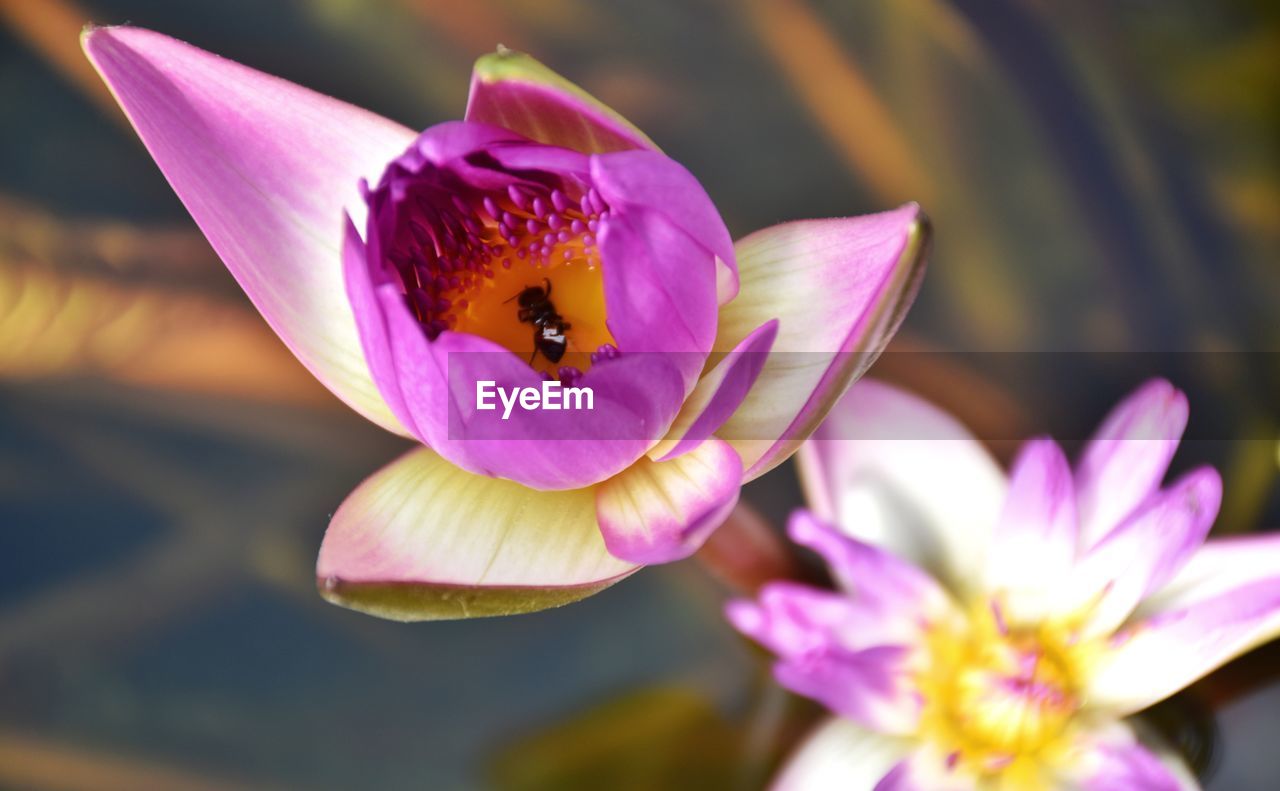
(518, 197)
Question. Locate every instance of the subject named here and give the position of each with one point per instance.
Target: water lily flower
(996, 631)
(542, 237)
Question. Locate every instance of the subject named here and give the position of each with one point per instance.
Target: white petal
(893, 470)
(423, 539)
(841, 756)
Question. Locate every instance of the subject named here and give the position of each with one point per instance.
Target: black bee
(548, 326)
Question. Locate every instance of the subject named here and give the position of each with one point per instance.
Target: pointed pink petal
(1146, 551)
(876, 576)
(1127, 458)
(840, 755)
(873, 686)
(1221, 605)
(659, 289)
(1034, 541)
(649, 181)
(718, 394)
(266, 169)
(656, 512)
(1219, 566)
(832, 648)
(893, 470)
(1135, 768)
(839, 289)
(1123, 756)
(791, 619)
(423, 539)
(366, 304)
(513, 90)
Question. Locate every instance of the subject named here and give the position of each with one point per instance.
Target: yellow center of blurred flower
(999, 701)
(519, 268)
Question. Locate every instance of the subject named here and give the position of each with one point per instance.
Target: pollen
(1000, 701)
(463, 258)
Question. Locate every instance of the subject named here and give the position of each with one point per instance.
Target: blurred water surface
(1102, 178)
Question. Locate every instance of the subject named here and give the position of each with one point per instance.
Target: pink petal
(718, 394)
(791, 619)
(893, 470)
(655, 512)
(649, 181)
(371, 324)
(840, 755)
(874, 686)
(1033, 544)
(659, 289)
(266, 169)
(1127, 458)
(839, 289)
(1114, 758)
(1219, 607)
(874, 575)
(423, 539)
(1145, 552)
(513, 90)
(838, 651)
(1132, 768)
(1219, 566)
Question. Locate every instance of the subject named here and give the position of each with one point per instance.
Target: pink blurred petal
(423, 539)
(872, 686)
(1145, 552)
(1127, 458)
(266, 168)
(1187, 636)
(1034, 541)
(656, 512)
(838, 651)
(1124, 756)
(791, 619)
(1132, 768)
(718, 394)
(895, 471)
(512, 90)
(839, 289)
(875, 576)
(1219, 566)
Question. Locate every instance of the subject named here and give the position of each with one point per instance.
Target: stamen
(447, 243)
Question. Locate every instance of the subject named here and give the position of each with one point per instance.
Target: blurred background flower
(1104, 185)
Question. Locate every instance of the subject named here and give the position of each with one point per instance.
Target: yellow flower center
(519, 268)
(999, 701)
